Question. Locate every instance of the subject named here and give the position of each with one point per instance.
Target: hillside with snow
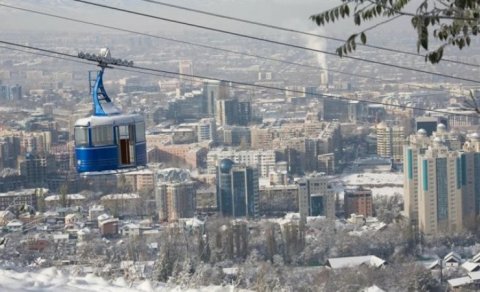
(53, 279)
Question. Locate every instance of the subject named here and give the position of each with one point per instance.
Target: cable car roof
(125, 119)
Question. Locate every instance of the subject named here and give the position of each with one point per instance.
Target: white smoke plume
(318, 44)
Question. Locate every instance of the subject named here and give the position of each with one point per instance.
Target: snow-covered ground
(381, 184)
(53, 279)
(368, 178)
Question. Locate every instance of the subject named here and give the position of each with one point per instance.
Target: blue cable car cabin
(109, 139)
(110, 143)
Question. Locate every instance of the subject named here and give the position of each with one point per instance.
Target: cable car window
(124, 132)
(81, 136)
(140, 132)
(102, 135)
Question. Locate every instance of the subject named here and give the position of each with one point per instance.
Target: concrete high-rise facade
(36, 142)
(439, 191)
(34, 169)
(359, 202)
(237, 189)
(175, 194)
(213, 90)
(185, 68)
(316, 197)
(226, 111)
(10, 92)
(175, 200)
(232, 112)
(451, 140)
(390, 141)
(236, 136)
(412, 150)
(470, 180)
(442, 190)
(206, 130)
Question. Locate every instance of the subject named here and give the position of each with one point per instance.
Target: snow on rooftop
(194, 222)
(14, 223)
(103, 217)
(470, 267)
(24, 192)
(69, 197)
(84, 231)
(60, 236)
(97, 208)
(230, 271)
(457, 282)
(475, 276)
(432, 265)
(370, 260)
(453, 256)
(131, 226)
(120, 197)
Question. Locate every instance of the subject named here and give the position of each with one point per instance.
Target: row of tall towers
(442, 181)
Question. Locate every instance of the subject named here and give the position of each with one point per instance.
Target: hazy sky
(289, 13)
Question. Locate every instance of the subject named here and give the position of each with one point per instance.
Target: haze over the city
(161, 156)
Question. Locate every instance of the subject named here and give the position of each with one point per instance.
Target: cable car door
(126, 144)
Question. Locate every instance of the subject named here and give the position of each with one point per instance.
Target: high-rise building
(359, 202)
(264, 161)
(470, 163)
(390, 141)
(190, 106)
(185, 67)
(175, 194)
(37, 142)
(451, 140)
(429, 123)
(213, 90)
(441, 188)
(226, 111)
(311, 92)
(244, 113)
(316, 197)
(16, 92)
(9, 151)
(278, 199)
(232, 112)
(459, 116)
(10, 92)
(416, 146)
(357, 111)
(34, 169)
(175, 200)
(236, 136)
(206, 130)
(237, 189)
(334, 109)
